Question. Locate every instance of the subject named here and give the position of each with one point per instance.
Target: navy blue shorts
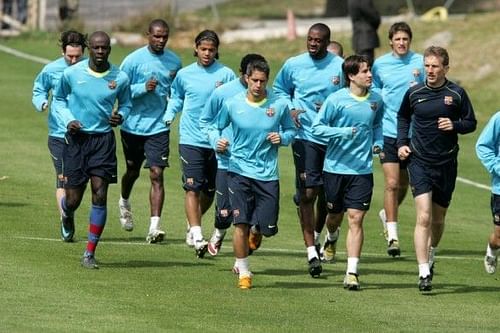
(390, 154)
(438, 179)
(255, 202)
(347, 191)
(87, 155)
(223, 211)
(308, 157)
(152, 148)
(56, 148)
(199, 168)
(495, 209)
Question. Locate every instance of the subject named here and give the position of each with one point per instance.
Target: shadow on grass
(13, 204)
(455, 252)
(150, 264)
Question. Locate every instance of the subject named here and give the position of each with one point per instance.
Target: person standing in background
(365, 22)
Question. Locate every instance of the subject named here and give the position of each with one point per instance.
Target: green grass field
(156, 288)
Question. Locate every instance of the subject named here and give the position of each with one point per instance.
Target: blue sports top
(47, 80)
(348, 153)
(89, 97)
(252, 154)
(488, 150)
(394, 76)
(148, 108)
(210, 112)
(306, 83)
(190, 91)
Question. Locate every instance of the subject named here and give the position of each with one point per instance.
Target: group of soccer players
(337, 113)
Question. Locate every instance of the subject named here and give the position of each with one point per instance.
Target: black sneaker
(425, 283)
(67, 228)
(315, 268)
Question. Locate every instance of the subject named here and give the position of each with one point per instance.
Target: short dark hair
(323, 28)
(73, 38)
(438, 51)
(248, 59)
(351, 66)
(258, 65)
(158, 23)
(209, 35)
(400, 26)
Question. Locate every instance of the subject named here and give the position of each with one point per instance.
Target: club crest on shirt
(270, 112)
(374, 106)
(218, 84)
(112, 84)
(336, 80)
(448, 100)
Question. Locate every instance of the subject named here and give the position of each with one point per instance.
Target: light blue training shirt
(488, 150)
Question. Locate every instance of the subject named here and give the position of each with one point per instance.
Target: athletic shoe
(89, 262)
(329, 249)
(490, 264)
(383, 219)
(189, 236)
(315, 268)
(245, 282)
(393, 248)
(425, 283)
(215, 243)
(200, 248)
(351, 281)
(67, 228)
(235, 270)
(155, 236)
(125, 216)
(254, 239)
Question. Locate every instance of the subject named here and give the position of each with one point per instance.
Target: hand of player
(74, 126)
(151, 84)
(445, 124)
(222, 145)
(115, 119)
(274, 137)
(295, 113)
(404, 152)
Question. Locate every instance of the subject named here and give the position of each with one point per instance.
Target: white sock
(311, 252)
(490, 252)
(244, 266)
(352, 265)
(432, 254)
(196, 233)
(219, 233)
(333, 236)
(155, 223)
(124, 202)
(424, 270)
(317, 237)
(392, 230)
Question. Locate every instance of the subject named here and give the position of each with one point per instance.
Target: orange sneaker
(245, 282)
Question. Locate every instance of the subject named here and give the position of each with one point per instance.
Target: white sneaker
(215, 243)
(126, 216)
(383, 219)
(155, 236)
(490, 264)
(200, 248)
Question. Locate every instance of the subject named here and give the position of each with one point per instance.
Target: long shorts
(255, 202)
(347, 191)
(199, 169)
(56, 148)
(308, 157)
(390, 154)
(87, 155)
(495, 209)
(438, 179)
(152, 148)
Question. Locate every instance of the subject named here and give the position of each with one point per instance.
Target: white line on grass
(260, 249)
(470, 182)
(23, 55)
